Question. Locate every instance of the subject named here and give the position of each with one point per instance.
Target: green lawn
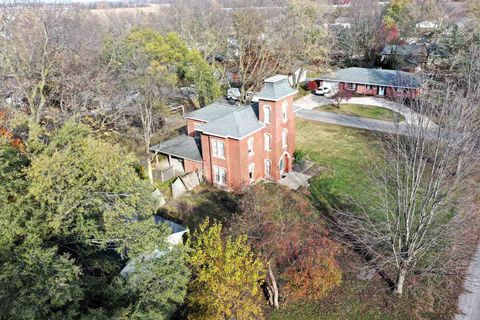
(344, 154)
(364, 111)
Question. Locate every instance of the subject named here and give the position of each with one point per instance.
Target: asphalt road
(347, 121)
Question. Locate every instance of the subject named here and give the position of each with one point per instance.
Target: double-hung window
(251, 172)
(218, 148)
(220, 175)
(284, 111)
(266, 114)
(268, 167)
(351, 86)
(250, 146)
(267, 141)
(284, 137)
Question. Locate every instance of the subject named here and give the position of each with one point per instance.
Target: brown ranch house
(372, 82)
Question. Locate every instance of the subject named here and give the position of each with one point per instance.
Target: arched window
(284, 137)
(268, 167)
(251, 171)
(266, 114)
(268, 141)
(284, 111)
(250, 146)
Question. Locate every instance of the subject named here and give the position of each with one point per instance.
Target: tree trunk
(402, 273)
(149, 169)
(273, 288)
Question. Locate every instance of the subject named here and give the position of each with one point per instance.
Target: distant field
(151, 9)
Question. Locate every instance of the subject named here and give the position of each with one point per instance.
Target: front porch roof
(183, 146)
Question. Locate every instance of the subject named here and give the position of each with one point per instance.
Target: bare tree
(301, 37)
(32, 50)
(202, 24)
(366, 34)
(55, 54)
(252, 49)
(418, 176)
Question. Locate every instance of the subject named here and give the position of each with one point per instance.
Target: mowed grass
(345, 155)
(364, 111)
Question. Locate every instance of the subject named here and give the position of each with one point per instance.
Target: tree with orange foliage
(290, 235)
(7, 134)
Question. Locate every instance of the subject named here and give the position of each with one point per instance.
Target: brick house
(372, 82)
(237, 145)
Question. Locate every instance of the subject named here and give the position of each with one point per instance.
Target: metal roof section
(237, 124)
(379, 77)
(183, 146)
(404, 50)
(174, 238)
(211, 112)
(276, 88)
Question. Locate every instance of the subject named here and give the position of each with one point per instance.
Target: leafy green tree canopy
(73, 212)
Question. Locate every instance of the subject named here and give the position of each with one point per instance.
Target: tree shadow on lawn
(191, 209)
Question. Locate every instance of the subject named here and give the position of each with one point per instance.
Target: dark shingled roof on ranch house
(376, 77)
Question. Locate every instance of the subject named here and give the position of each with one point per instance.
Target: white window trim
(267, 147)
(285, 140)
(265, 107)
(213, 149)
(265, 167)
(252, 151)
(252, 167)
(351, 86)
(284, 111)
(215, 175)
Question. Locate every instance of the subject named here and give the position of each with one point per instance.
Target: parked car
(322, 91)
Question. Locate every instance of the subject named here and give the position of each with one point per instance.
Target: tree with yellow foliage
(226, 276)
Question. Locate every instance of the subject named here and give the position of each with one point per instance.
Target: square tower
(276, 112)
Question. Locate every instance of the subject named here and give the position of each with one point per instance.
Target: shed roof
(380, 77)
(237, 124)
(183, 146)
(404, 50)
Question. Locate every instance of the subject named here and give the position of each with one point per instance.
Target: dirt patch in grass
(365, 111)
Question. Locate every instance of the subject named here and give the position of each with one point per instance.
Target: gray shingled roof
(276, 88)
(388, 78)
(237, 124)
(211, 112)
(183, 146)
(404, 50)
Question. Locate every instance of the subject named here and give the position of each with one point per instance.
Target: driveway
(469, 302)
(349, 121)
(312, 101)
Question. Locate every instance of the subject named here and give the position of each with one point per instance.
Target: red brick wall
(275, 130)
(190, 165)
(389, 91)
(191, 126)
(362, 89)
(237, 159)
